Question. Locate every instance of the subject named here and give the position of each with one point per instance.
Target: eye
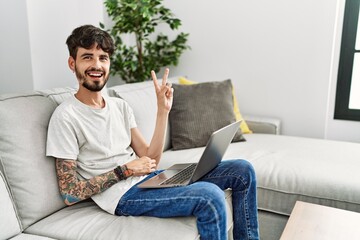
(104, 58)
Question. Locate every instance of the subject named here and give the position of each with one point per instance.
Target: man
(101, 154)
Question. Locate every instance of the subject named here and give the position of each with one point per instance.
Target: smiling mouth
(94, 74)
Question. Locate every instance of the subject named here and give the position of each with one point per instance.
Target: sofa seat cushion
(87, 221)
(294, 168)
(312, 170)
(171, 157)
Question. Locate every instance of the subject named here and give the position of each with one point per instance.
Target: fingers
(142, 166)
(151, 164)
(169, 91)
(155, 81)
(165, 77)
(148, 166)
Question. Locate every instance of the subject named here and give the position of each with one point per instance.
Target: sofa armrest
(268, 125)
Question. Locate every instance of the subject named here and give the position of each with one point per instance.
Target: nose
(97, 63)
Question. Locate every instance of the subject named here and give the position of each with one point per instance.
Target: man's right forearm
(74, 190)
(156, 146)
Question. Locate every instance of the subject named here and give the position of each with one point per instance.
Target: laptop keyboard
(180, 177)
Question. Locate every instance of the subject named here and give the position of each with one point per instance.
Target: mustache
(94, 70)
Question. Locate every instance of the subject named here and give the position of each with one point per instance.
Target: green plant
(140, 18)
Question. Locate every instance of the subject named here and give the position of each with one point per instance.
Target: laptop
(186, 173)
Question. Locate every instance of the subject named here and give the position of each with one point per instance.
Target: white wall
(282, 55)
(34, 53)
(278, 54)
(50, 23)
(15, 60)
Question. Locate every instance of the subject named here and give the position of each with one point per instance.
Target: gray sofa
(288, 169)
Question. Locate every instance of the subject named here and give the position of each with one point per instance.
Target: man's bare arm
(74, 190)
(164, 95)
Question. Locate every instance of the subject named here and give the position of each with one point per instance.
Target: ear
(71, 63)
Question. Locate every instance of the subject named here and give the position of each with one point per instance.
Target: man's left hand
(164, 92)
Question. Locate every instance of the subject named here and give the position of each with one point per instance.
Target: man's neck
(92, 99)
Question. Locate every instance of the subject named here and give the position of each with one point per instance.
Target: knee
(239, 164)
(249, 169)
(245, 171)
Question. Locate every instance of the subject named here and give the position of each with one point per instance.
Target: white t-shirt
(98, 139)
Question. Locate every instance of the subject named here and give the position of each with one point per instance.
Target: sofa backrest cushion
(9, 224)
(30, 174)
(142, 99)
(58, 95)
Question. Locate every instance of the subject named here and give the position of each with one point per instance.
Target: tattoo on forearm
(73, 190)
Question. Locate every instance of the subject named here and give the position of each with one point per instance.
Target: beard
(95, 86)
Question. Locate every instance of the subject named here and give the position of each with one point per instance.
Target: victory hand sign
(164, 92)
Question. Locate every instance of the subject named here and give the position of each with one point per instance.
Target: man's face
(91, 67)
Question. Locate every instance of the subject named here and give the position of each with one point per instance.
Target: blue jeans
(203, 199)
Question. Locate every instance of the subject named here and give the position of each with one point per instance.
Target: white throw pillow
(142, 99)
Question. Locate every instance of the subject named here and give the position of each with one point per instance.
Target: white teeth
(95, 74)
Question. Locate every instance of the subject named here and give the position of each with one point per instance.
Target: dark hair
(86, 36)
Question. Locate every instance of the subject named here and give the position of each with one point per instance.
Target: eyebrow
(86, 54)
(90, 54)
